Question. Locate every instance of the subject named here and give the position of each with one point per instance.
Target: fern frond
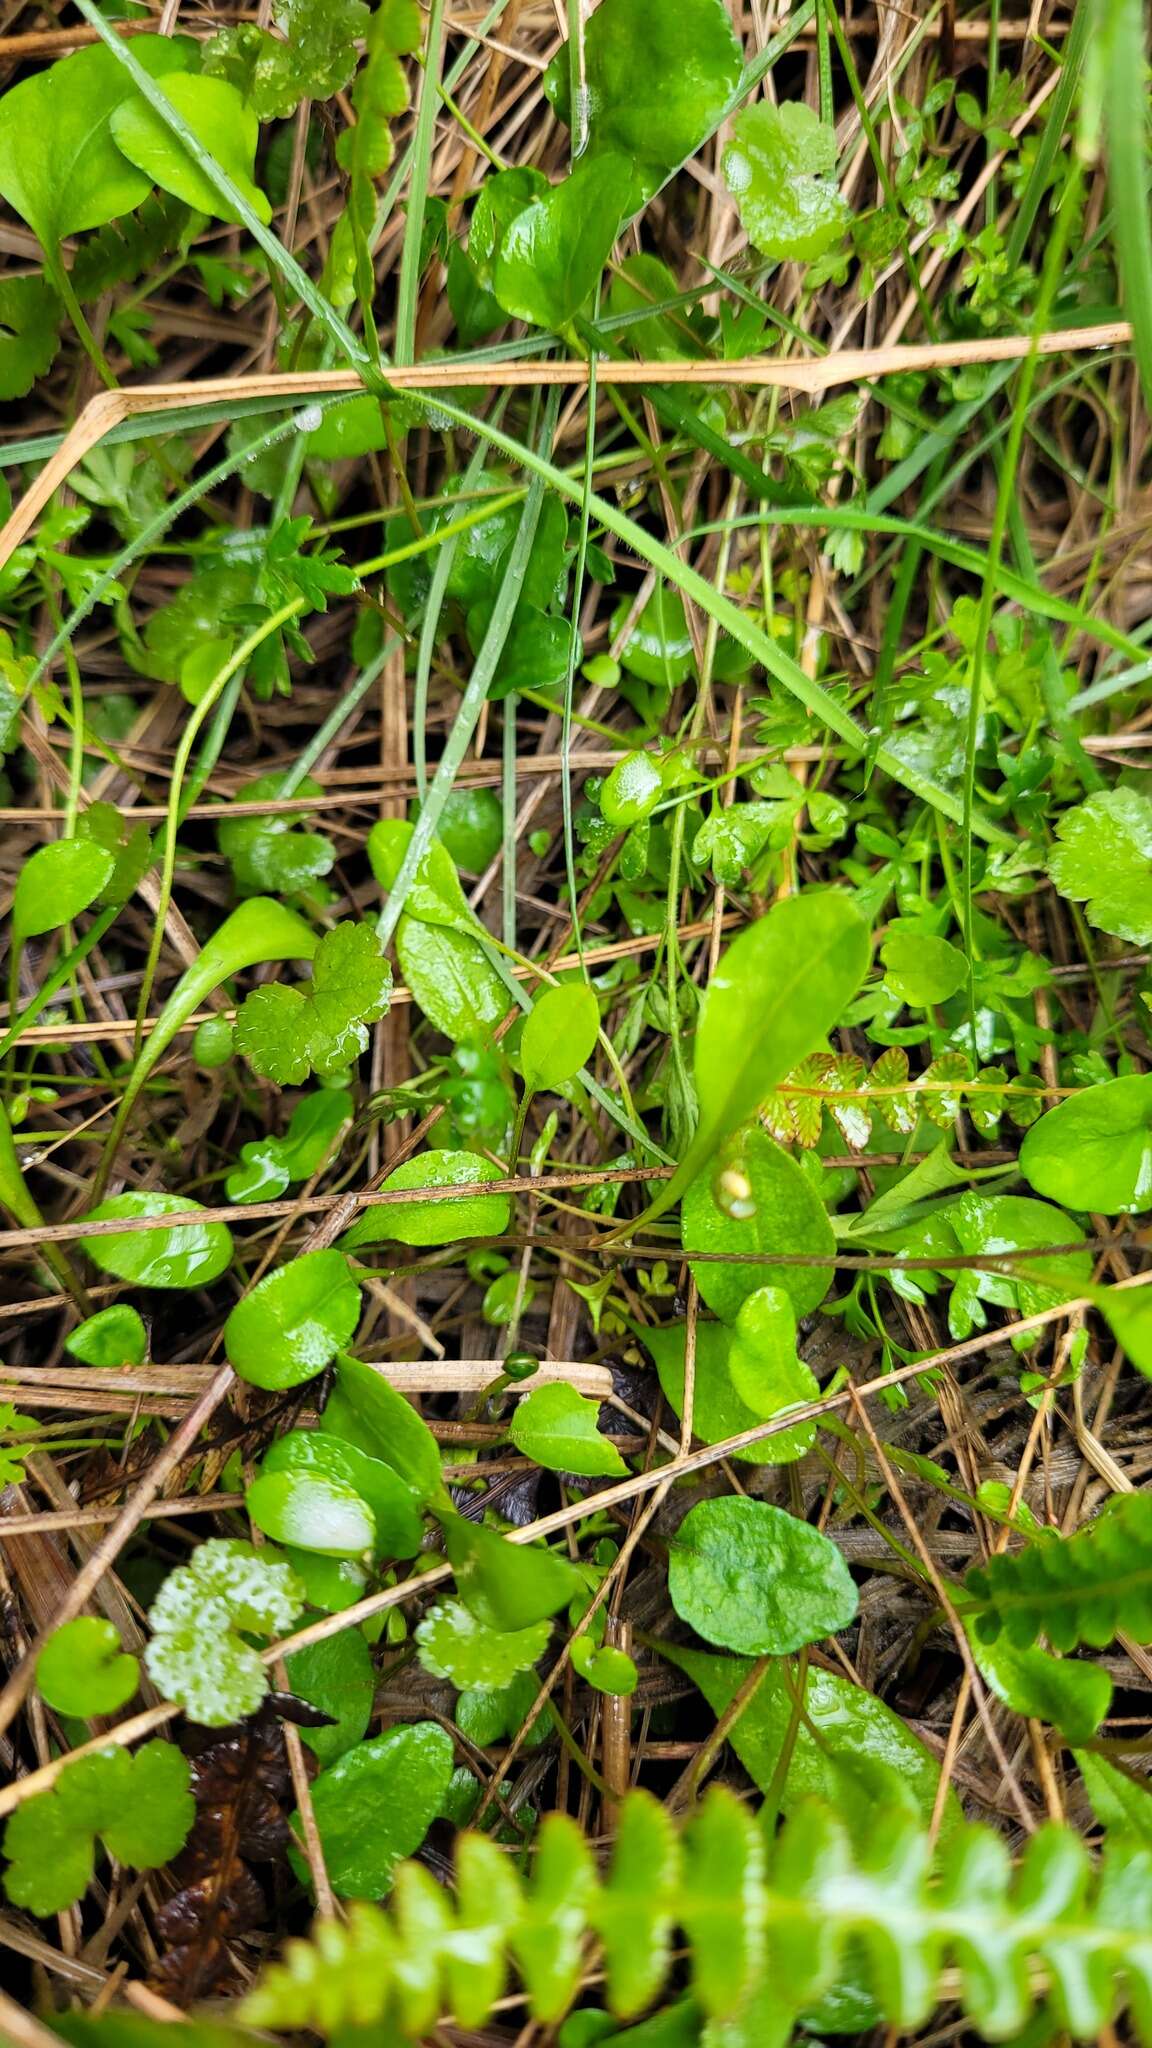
(754, 1914)
(1085, 1588)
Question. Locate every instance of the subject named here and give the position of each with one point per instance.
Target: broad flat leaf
(485, 1714)
(632, 791)
(559, 1034)
(753, 1578)
(55, 884)
(287, 1033)
(423, 1222)
(293, 1322)
(604, 1668)
(1067, 1692)
(454, 1644)
(998, 1225)
(506, 1585)
(395, 1508)
(778, 168)
(376, 1804)
(314, 57)
(129, 845)
(552, 254)
(336, 1675)
(776, 993)
(843, 1724)
(717, 1410)
(370, 1414)
(269, 853)
(920, 968)
(84, 1670)
(187, 1255)
(435, 894)
(1120, 1805)
(655, 92)
(1128, 1312)
(557, 1428)
(471, 824)
(113, 1336)
(451, 979)
(1094, 1151)
(767, 1372)
(658, 645)
(269, 1165)
(140, 1805)
(313, 1511)
(200, 1620)
(1104, 859)
(789, 1217)
(227, 129)
(30, 315)
(59, 166)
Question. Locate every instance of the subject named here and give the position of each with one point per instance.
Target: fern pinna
(766, 1925)
(1085, 1588)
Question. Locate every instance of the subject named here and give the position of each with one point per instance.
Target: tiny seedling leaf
(55, 884)
(559, 1034)
(778, 168)
(113, 1336)
(287, 1033)
(454, 1644)
(1104, 859)
(200, 1619)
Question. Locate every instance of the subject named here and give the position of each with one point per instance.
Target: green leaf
(604, 1668)
(83, 1670)
(187, 1255)
(55, 884)
(451, 978)
(370, 1414)
(633, 789)
(717, 1410)
(198, 1655)
(471, 827)
(559, 1035)
(657, 646)
(59, 167)
(767, 1372)
(140, 1805)
(846, 1731)
(399, 1524)
(1067, 1694)
(776, 993)
(424, 1222)
(30, 315)
(1120, 1804)
(379, 94)
(312, 1511)
(1094, 1151)
(1084, 1588)
(486, 1713)
(289, 1326)
(558, 1428)
(113, 1336)
(454, 1644)
(653, 96)
(338, 1677)
(1128, 1311)
(269, 1165)
(435, 894)
(753, 1578)
(997, 1226)
(287, 1033)
(918, 967)
(315, 59)
(228, 130)
(506, 1585)
(269, 853)
(552, 253)
(779, 169)
(129, 845)
(1104, 859)
(788, 1217)
(377, 1803)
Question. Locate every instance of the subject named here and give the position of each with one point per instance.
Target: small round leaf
(755, 1579)
(83, 1670)
(294, 1321)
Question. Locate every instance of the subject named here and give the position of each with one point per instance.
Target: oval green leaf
(228, 130)
(427, 1221)
(187, 1255)
(558, 1428)
(1094, 1151)
(313, 1512)
(294, 1321)
(789, 1217)
(766, 1370)
(753, 1578)
(55, 884)
(84, 1670)
(559, 1034)
(394, 1506)
(376, 1804)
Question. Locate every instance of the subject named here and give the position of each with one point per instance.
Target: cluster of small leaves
(139, 1806)
(201, 1618)
(288, 1033)
(857, 1097)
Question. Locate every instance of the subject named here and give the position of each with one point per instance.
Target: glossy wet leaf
(471, 826)
(291, 1324)
(779, 167)
(486, 1713)
(435, 894)
(428, 1221)
(559, 1034)
(224, 126)
(767, 1372)
(454, 1644)
(778, 990)
(557, 1427)
(1128, 1312)
(113, 1336)
(201, 1620)
(1065, 1692)
(30, 315)
(285, 1033)
(653, 97)
(451, 979)
(788, 1217)
(59, 167)
(337, 1676)
(920, 968)
(1094, 1150)
(269, 853)
(376, 1804)
(1104, 858)
(753, 1578)
(552, 253)
(657, 646)
(313, 1511)
(632, 790)
(269, 1165)
(84, 1670)
(995, 1226)
(604, 1668)
(139, 1806)
(183, 1255)
(506, 1585)
(370, 1414)
(717, 1410)
(399, 1525)
(55, 884)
